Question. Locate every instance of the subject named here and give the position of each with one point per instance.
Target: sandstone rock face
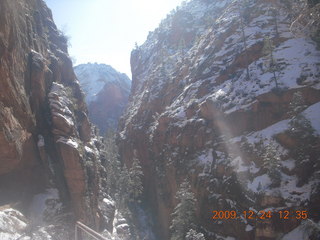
(208, 105)
(45, 134)
(106, 91)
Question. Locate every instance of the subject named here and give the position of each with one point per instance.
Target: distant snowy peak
(106, 91)
(93, 77)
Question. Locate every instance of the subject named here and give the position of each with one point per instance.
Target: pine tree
(193, 235)
(271, 162)
(245, 10)
(245, 147)
(135, 181)
(296, 105)
(136, 47)
(275, 14)
(182, 46)
(122, 196)
(268, 48)
(300, 129)
(111, 164)
(300, 126)
(184, 213)
(113, 174)
(244, 17)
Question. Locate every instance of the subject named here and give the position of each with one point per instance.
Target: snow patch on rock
(12, 224)
(68, 141)
(312, 113)
(45, 206)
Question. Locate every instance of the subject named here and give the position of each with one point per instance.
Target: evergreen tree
(245, 10)
(136, 47)
(244, 17)
(245, 147)
(193, 235)
(300, 126)
(268, 48)
(122, 196)
(135, 181)
(182, 46)
(184, 213)
(111, 164)
(271, 162)
(296, 105)
(275, 14)
(300, 129)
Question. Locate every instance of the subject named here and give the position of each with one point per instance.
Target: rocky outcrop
(211, 102)
(45, 135)
(107, 93)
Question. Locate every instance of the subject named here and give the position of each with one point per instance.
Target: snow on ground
(269, 132)
(291, 192)
(292, 51)
(180, 113)
(249, 228)
(296, 234)
(206, 157)
(289, 164)
(239, 166)
(44, 205)
(294, 195)
(12, 224)
(266, 134)
(312, 113)
(288, 189)
(299, 233)
(260, 183)
(238, 92)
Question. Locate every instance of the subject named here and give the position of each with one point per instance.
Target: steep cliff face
(106, 91)
(45, 134)
(212, 101)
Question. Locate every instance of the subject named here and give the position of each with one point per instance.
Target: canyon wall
(212, 101)
(45, 135)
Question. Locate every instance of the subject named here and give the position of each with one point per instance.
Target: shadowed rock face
(107, 93)
(194, 113)
(45, 134)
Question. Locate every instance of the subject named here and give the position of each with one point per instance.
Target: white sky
(105, 31)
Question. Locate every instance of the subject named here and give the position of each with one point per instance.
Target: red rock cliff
(45, 135)
(212, 93)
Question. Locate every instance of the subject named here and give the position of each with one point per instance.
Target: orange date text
(262, 215)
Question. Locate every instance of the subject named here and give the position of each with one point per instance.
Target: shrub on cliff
(194, 235)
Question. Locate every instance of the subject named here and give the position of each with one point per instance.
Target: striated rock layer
(107, 93)
(212, 99)
(45, 134)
